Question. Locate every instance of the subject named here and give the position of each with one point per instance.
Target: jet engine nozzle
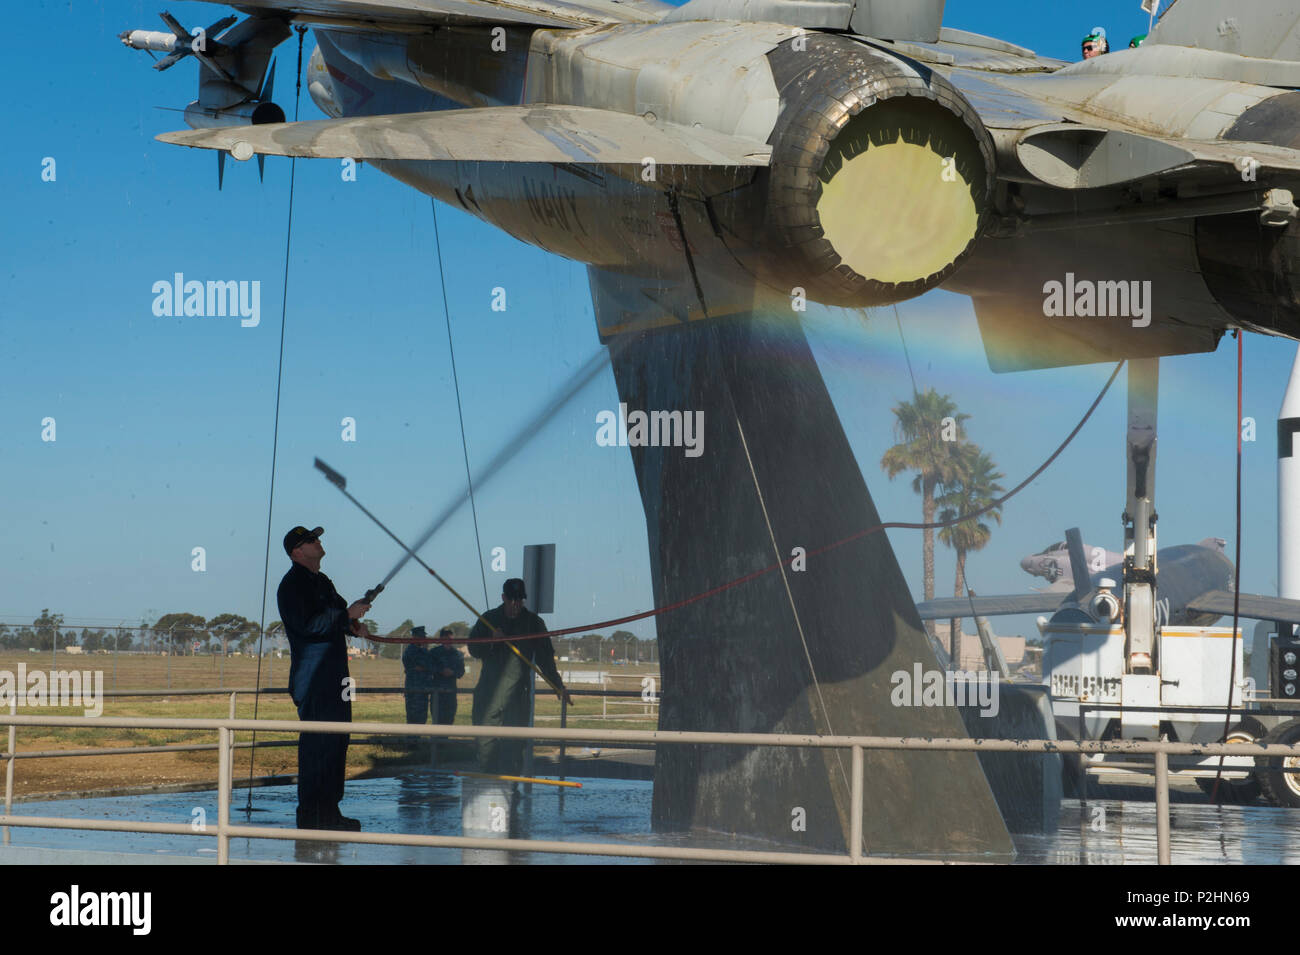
(881, 174)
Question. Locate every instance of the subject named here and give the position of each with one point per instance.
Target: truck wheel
(1241, 791)
(1281, 788)
(1074, 775)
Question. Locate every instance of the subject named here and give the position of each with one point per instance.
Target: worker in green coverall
(501, 695)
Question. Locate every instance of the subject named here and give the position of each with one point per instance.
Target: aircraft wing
(1252, 606)
(1041, 136)
(420, 14)
(536, 134)
(950, 607)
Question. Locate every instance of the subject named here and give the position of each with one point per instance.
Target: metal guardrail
(225, 831)
(233, 693)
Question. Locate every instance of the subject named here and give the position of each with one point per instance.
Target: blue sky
(164, 425)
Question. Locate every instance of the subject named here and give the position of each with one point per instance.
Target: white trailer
(1093, 698)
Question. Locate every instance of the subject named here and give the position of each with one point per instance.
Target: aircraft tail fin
(1267, 29)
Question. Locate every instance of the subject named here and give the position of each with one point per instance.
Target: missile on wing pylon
(158, 41)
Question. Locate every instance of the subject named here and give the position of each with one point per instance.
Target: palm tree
(929, 430)
(974, 487)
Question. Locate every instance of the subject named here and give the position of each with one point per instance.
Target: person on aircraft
(1095, 43)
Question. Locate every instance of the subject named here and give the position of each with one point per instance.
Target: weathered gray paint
(1181, 61)
(948, 35)
(1082, 157)
(898, 19)
(810, 14)
(1260, 28)
(522, 134)
(886, 19)
(720, 78)
(406, 14)
(1174, 107)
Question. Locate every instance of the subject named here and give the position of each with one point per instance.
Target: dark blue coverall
(316, 621)
(446, 658)
(424, 664)
(417, 663)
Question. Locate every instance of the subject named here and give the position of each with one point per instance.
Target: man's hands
(355, 613)
(446, 671)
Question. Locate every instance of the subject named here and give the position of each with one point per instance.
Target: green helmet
(1137, 41)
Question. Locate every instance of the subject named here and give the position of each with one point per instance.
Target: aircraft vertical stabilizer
(1268, 29)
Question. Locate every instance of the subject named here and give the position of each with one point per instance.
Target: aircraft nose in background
(1027, 565)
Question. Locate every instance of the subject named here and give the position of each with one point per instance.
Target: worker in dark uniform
(431, 675)
(501, 695)
(448, 667)
(417, 664)
(317, 621)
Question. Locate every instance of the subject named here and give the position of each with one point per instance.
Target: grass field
(147, 672)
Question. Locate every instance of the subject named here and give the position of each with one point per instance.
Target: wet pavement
(1115, 832)
(1099, 832)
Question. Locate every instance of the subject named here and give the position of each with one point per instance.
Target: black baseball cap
(514, 589)
(298, 535)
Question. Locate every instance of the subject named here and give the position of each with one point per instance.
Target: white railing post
(1162, 805)
(9, 763)
(234, 694)
(855, 809)
(223, 795)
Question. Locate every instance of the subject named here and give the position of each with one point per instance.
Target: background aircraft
(1195, 588)
(1053, 563)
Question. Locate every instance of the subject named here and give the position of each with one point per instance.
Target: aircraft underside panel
(806, 649)
(1079, 296)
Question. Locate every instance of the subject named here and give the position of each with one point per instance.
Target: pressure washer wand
(340, 482)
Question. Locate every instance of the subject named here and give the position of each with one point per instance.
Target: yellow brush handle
(536, 669)
(522, 779)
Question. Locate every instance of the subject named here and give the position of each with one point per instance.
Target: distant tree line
(179, 633)
(184, 634)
